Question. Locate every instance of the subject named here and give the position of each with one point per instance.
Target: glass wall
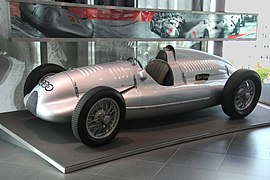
(17, 59)
(254, 54)
(106, 51)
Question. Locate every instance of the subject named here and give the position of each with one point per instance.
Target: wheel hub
(100, 114)
(103, 118)
(244, 95)
(106, 120)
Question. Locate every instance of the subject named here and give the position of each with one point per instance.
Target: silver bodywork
(55, 98)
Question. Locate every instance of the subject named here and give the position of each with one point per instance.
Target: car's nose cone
(31, 102)
(53, 99)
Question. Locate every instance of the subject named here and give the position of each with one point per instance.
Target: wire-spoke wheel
(244, 95)
(241, 93)
(103, 118)
(98, 116)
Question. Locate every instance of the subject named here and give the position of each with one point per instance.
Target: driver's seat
(161, 72)
(162, 55)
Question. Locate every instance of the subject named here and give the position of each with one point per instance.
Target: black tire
(38, 74)
(241, 93)
(98, 96)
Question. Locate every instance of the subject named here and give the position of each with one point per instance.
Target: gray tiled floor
(241, 155)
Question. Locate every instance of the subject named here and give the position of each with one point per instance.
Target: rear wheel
(39, 74)
(241, 93)
(98, 116)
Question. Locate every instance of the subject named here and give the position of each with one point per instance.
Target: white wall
(249, 54)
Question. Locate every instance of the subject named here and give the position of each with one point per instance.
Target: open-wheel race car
(97, 99)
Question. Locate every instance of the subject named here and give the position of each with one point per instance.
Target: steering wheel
(135, 60)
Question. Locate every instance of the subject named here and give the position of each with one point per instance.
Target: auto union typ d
(97, 99)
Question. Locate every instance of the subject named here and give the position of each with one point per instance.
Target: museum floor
(237, 156)
(242, 155)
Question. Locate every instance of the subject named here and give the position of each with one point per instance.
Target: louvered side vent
(204, 65)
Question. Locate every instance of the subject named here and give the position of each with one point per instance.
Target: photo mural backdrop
(54, 21)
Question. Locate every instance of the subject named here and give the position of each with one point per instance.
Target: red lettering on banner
(112, 14)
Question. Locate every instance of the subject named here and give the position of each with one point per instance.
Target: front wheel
(241, 93)
(98, 116)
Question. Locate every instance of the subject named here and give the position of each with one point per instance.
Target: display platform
(55, 142)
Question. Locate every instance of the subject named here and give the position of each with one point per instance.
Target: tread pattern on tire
(82, 102)
(229, 91)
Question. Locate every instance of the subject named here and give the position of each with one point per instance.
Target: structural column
(218, 45)
(197, 5)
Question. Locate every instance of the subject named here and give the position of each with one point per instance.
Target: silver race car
(97, 99)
